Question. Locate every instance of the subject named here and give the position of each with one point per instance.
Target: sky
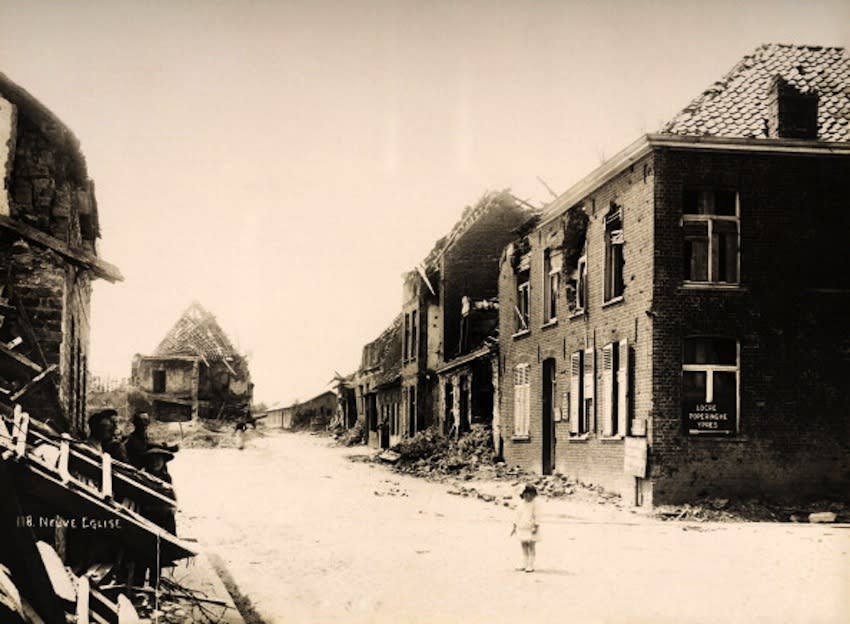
(284, 163)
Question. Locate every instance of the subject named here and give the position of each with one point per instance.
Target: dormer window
(793, 113)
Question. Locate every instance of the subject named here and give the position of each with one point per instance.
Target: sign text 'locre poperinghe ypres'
(710, 418)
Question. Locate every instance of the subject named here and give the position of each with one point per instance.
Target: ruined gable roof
(49, 124)
(385, 352)
(197, 332)
(737, 104)
(470, 215)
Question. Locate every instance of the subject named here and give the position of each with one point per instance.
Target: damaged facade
(377, 387)
(435, 365)
(48, 233)
(73, 522)
(194, 372)
(675, 326)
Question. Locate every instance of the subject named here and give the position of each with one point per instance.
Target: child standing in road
(526, 526)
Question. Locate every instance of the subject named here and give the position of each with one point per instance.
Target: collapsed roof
(198, 333)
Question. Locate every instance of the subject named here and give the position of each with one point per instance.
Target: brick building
(194, 372)
(675, 326)
(48, 247)
(448, 312)
(377, 388)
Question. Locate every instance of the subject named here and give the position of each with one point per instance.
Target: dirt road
(310, 536)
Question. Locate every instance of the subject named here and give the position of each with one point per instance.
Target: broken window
(581, 286)
(711, 236)
(553, 262)
(522, 400)
(522, 300)
(710, 378)
(414, 336)
(614, 285)
(406, 337)
(159, 381)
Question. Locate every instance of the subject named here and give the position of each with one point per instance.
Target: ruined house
(449, 321)
(48, 248)
(195, 372)
(676, 325)
(53, 567)
(377, 387)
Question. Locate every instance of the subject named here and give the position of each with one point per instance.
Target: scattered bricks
(822, 517)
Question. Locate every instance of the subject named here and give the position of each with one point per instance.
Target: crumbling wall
(46, 186)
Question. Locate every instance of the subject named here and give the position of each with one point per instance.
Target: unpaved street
(310, 536)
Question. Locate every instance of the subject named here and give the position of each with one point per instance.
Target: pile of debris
(349, 437)
(431, 454)
(754, 510)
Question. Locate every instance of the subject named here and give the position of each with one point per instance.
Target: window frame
(523, 302)
(710, 370)
(582, 293)
(709, 219)
(552, 267)
(614, 288)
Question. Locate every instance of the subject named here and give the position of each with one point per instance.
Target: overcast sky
(284, 163)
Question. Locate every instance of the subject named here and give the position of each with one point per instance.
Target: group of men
(136, 449)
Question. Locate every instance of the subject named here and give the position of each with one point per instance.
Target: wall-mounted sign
(710, 418)
(635, 458)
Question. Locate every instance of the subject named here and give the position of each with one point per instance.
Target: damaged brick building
(195, 372)
(48, 246)
(377, 387)
(434, 366)
(676, 325)
(53, 568)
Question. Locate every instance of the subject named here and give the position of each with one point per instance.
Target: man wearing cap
(103, 434)
(138, 442)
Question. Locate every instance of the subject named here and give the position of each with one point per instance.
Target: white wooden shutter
(526, 404)
(589, 379)
(575, 391)
(521, 400)
(607, 398)
(623, 389)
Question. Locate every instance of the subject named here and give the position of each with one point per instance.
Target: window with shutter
(609, 392)
(589, 385)
(575, 392)
(522, 395)
(623, 389)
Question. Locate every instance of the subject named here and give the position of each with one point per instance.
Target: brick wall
(590, 458)
(471, 267)
(48, 188)
(789, 316)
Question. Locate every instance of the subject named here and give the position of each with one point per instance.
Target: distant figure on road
(241, 427)
(526, 526)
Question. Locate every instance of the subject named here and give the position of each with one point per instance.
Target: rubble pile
(754, 510)
(430, 453)
(350, 437)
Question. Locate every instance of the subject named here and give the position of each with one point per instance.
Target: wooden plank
(20, 554)
(32, 383)
(20, 358)
(99, 267)
(73, 500)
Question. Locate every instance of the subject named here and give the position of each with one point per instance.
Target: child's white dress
(526, 520)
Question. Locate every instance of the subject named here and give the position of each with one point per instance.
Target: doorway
(549, 390)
